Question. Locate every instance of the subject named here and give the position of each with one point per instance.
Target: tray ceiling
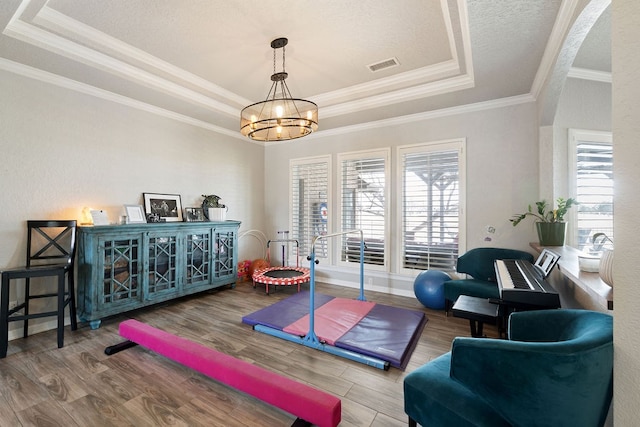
(202, 61)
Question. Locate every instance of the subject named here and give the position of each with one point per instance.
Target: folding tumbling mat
(376, 330)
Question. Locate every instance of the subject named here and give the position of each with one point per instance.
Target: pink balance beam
(305, 402)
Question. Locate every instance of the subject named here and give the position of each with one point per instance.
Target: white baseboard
(35, 328)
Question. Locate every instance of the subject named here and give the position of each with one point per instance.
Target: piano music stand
(478, 311)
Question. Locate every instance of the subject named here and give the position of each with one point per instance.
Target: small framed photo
(99, 217)
(135, 214)
(166, 206)
(194, 215)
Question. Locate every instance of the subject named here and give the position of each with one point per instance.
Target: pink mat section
(301, 400)
(333, 319)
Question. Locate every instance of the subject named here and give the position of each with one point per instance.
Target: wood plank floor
(78, 385)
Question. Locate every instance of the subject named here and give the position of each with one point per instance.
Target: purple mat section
(387, 333)
(285, 312)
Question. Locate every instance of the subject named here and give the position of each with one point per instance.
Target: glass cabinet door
(161, 264)
(119, 262)
(198, 262)
(224, 253)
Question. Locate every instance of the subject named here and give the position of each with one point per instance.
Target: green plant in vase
(550, 222)
(211, 201)
(209, 204)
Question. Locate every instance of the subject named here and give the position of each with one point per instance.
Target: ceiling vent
(387, 63)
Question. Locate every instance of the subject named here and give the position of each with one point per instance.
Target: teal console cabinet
(125, 267)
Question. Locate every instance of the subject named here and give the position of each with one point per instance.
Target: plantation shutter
(309, 204)
(430, 208)
(594, 190)
(363, 206)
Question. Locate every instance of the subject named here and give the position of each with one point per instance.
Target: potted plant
(213, 209)
(550, 222)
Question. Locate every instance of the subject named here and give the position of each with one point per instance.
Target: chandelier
(281, 116)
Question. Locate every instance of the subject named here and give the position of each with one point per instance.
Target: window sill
(588, 282)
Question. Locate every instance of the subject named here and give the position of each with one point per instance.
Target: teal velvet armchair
(478, 263)
(555, 369)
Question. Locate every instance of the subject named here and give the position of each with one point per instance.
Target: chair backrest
(478, 262)
(556, 368)
(51, 242)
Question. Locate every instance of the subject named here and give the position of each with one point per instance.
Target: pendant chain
(274, 60)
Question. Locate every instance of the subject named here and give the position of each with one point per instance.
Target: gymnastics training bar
(311, 339)
(309, 404)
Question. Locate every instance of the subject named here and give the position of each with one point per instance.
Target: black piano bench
(479, 311)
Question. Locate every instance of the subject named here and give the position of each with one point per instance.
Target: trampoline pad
(280, 274)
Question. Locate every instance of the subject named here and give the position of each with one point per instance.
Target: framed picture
(99, 217)
(135, 214)
(167, 206)
(194, 215)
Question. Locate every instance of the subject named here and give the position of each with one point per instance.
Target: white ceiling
(202, 61)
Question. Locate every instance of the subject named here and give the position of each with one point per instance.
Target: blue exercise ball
(429, 288)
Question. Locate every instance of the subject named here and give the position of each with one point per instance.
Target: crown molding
(38, 37)
(408, 94)
(55, 20)
(330, 101)
(466, 37)
(63, 82)
(593, 75)
(554, 44)
(430, 72)
(446, 85)
(427, 115)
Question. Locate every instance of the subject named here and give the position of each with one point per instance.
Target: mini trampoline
(281, 276)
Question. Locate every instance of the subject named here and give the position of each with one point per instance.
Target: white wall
(626, 132)
(502, 175)
(585, 105)
(62, 150)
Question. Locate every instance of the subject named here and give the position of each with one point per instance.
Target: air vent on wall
(387, 63)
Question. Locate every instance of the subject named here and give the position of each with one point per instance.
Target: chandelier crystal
(281, 116)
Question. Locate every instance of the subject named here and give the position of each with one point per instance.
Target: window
(310, 203)
(363, 205)
(591, 172)
(430, 205)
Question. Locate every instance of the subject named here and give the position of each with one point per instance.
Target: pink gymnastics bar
(305, 402)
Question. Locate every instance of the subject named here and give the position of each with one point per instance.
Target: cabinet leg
(95, 324)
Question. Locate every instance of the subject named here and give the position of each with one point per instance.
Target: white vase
(606, 267)
(217, 214)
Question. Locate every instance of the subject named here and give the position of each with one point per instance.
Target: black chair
(51, 249)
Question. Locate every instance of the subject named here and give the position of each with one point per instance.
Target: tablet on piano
(546, 261)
